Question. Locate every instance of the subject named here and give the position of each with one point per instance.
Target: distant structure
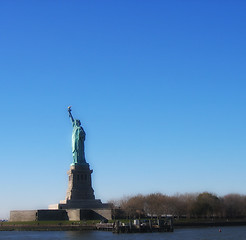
(80, 202)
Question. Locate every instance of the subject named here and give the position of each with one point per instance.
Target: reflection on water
(227, 233)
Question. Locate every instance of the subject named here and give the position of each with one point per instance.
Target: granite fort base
(80, 203)
(59, 215)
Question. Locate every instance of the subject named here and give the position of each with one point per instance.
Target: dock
(136, 226)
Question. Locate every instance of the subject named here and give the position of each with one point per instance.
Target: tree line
(200, 205)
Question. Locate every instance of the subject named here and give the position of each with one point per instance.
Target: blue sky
(159, 87)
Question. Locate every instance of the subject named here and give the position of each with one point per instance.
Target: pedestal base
(79, 183)
(81, 204)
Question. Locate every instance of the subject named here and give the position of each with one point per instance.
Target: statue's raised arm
(70, 114)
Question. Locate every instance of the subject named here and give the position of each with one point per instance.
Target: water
(227, 233)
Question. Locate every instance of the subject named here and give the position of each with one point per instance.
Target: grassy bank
(58, 223)
(208, 222)
(48, 226)
(91, 224)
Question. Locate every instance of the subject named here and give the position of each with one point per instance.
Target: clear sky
(159, 87)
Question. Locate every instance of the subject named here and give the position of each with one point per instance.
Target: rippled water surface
(227, 233)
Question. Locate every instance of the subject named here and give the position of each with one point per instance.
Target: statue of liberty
(78, 138)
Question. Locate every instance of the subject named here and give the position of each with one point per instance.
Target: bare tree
(186, 205)
(133, 206)
(234, 205)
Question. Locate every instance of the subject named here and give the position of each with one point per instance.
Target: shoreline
(92, 227)
(47, 228)
(209, 224)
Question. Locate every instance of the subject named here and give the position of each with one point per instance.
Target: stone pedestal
(79, 183)
(80, 194)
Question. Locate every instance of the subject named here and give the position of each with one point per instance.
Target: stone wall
(52, 215)
(27, 215)
(60, 215)
(73, 214)
(102, 214)
(93, 214)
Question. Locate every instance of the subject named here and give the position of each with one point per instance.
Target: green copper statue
(78, 138)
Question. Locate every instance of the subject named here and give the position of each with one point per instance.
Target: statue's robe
(78, 138)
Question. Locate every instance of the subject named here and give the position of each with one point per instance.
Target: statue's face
(78, 122)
